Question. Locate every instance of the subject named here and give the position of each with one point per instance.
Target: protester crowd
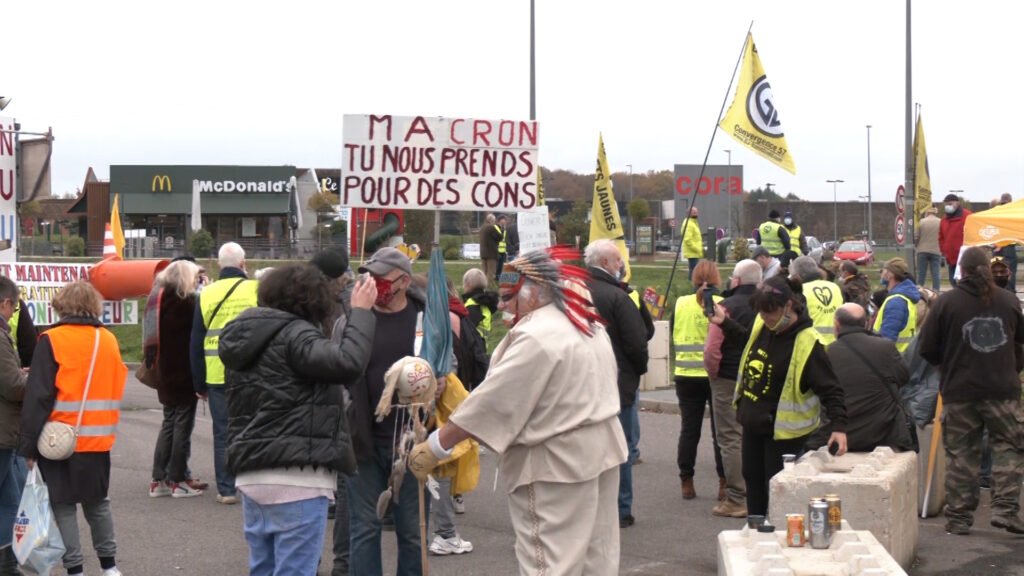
(309, 371)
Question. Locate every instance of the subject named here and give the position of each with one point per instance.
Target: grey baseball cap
(385, 260)
(759, 251)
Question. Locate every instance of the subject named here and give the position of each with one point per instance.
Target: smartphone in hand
(709, 301)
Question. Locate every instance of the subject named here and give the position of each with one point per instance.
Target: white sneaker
(183, 490)
(454, 545)
(112, 572)
(227, 500)
(458, 504)
(159, 488)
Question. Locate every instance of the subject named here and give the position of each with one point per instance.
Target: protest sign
(38, 282)
(439, 163)
(534, 231)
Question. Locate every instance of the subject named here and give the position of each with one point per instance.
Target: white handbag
(57, 441)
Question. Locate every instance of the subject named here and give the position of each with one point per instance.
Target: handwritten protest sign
(534, 232)
(38, 282)
(439, 163)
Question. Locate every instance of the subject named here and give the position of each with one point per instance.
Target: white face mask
(508, 318)
(950, 208)
(787, 221)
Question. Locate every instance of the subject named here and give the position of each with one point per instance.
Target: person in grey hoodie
(287, 433)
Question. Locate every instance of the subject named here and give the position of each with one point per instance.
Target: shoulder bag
(58, 440)
(908, 421)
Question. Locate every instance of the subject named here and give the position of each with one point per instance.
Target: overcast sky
(214, 83)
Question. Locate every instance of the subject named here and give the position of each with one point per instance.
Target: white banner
(38, 282)
(8, 191)
(439, 163)
(534, 231)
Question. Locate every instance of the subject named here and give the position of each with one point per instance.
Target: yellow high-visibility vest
(242, 298)
(798, 413)
(823, 299)
(907, 334)
(794, 239)
(504, 236)
(689, 331)
(485, 324)
(770, 238)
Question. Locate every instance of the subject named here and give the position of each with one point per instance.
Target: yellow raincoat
(464, 465)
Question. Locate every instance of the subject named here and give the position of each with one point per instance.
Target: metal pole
(532, 63)
(871, 233)
(728, 196)
(910, 191)
(835, 211)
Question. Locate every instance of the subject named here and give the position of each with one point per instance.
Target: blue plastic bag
(37, 542)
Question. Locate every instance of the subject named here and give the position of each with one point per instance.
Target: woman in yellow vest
(75, 354)
(481, 303)
(693, 389)
(784, 378)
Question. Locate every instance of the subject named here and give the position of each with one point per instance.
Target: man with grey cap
(398, 311)
(770, 265)
(897, 318)
(823, 297)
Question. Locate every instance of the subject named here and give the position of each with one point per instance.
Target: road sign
(899, 200)
(901, 231)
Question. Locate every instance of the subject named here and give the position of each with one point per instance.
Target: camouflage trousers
(962, 425)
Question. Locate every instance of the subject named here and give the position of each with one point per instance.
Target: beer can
(795, 530)
(817, 532)
(835, 514)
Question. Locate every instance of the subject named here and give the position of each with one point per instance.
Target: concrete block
(878, 490)
(937, 497)
(659, 374)
(660, 345)
(852, 553)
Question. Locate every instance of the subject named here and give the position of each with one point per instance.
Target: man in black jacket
(974, 334)
(629, 341)
(871, 391)
(722, 353)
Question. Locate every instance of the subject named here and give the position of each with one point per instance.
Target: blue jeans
(926, 262)
(219, 414)
(12, 481)
(284, 539)
(952, 271)
(692, 262)
(363, 491)
(629, 417)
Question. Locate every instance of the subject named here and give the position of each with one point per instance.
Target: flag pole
(686, 221)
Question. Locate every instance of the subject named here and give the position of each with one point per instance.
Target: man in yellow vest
(219, 303)
(897, 318)
(823, 297)
(502, 227)
(693, 242)
(797, 240)
(774, 237)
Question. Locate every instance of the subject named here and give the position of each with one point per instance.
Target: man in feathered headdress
(549, 406)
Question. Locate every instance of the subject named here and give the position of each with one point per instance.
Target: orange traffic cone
(109, 250)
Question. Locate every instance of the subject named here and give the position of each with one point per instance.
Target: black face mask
(1002, 281)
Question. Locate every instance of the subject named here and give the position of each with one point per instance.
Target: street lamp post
(835, 210)
(768, 195)
(728, 196)
(867, 226)
(871, 225)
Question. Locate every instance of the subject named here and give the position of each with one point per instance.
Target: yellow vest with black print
(798, 413)
(823, 299)
(485, 324)
(794, 239)
(907, 334)
(690, 330)
(242, 298)
(770, 238)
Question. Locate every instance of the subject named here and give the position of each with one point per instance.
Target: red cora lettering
(718, 185)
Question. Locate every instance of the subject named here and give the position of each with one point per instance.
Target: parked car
(663, 246)
(856, 250)
(830, 245)
(812, 243)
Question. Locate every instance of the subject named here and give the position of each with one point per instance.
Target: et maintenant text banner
(38, 282)
(433, 163)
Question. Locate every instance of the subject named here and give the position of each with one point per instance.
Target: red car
(857, 250)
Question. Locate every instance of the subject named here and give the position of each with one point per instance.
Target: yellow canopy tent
(1000, 226)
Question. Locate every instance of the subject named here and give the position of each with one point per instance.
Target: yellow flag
(752, 119)
(115, 227)
(604, 217)
(540, 188)
(922, 178)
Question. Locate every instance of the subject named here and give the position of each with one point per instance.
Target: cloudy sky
(212, 83)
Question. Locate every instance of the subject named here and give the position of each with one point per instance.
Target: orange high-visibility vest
(72, 349)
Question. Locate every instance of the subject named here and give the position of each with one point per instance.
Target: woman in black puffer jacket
(287, 434)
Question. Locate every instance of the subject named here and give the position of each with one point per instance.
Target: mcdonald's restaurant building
(251, 205)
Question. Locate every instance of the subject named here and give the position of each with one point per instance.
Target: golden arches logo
(161, 181)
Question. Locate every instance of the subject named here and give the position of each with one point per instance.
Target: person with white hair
(481, 303)
(219, 303)
(727, 335)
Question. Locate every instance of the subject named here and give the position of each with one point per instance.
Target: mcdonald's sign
(160, 182)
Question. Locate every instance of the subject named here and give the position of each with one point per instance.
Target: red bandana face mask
(384, 293)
